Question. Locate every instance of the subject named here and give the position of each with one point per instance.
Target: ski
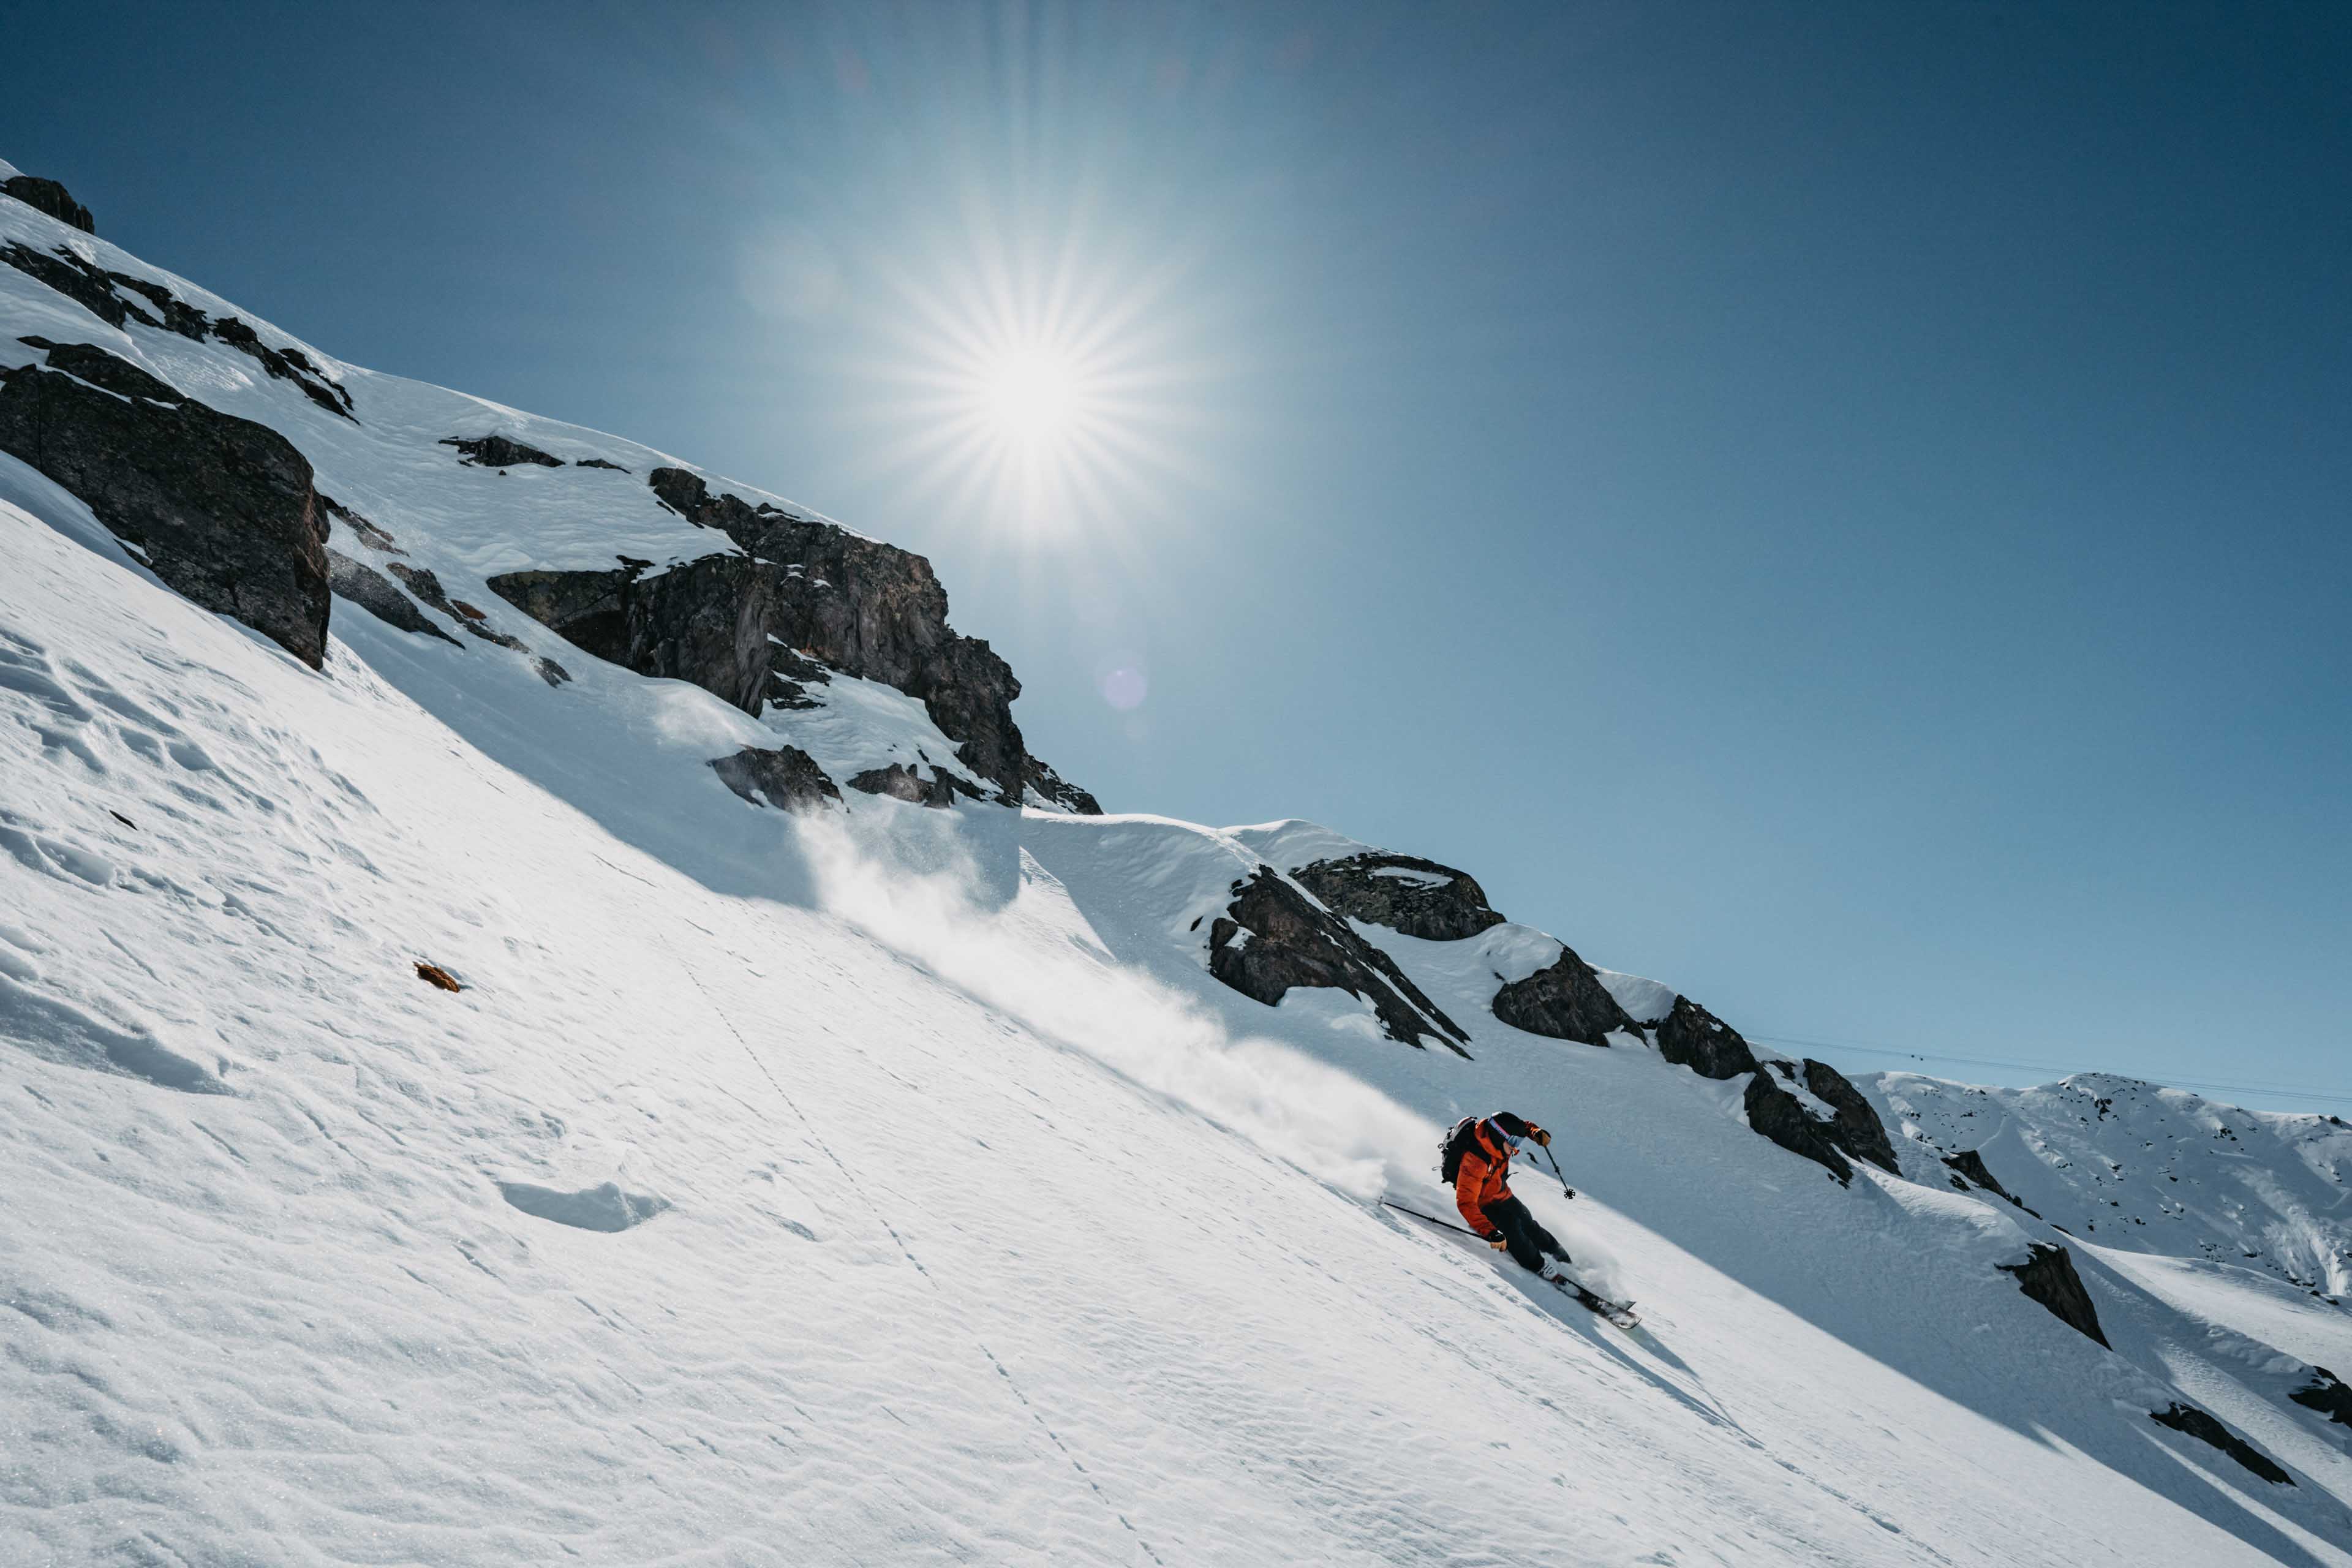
(1620, 1313)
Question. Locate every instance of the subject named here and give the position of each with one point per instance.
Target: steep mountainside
(552, 1015)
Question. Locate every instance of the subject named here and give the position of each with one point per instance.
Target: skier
(1482, 1191)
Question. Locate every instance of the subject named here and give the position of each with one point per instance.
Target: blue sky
(1841, 509)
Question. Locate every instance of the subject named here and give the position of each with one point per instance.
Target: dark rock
(2327, 1394)
(371, 591)
(1780, 1116)
(1053, 787)
(1856, 1129)
(1291, 940)
(2048, 1276)
(900, 782)
(83, 282)
(2188, 1418)
(1563, 1002)
(855, 606)
(88, 361)
(790, 675)
(1694, 1037)
(221, 507)
(786, 778)
(498, 452)
(282, 366)
(1366, 888)
(365, 531)
(49, 196)
(428, 587)
(1970, 1165)
(599, 463)
(178, 314)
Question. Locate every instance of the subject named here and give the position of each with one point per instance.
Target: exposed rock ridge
(1968, 1166)
(803, 594)
(1274, 937)
(50, 196)
(220, 508)
(1404, 892)
(1563, 1001)
(2197, 1423)
(97, 291)
(500, 452)
(2048, 1277)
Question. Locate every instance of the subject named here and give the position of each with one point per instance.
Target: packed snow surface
(896, 1185)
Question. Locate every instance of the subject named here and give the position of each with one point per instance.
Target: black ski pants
(1531, 1243)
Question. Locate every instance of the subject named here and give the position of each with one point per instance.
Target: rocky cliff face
(220, 508)
(801, 598)
(1419, 898)
(1273, 937)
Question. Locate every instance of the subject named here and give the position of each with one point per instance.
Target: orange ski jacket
(1484, 1176)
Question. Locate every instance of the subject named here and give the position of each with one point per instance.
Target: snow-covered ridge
(892, 1183)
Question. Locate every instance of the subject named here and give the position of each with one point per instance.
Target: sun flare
(1033, 397)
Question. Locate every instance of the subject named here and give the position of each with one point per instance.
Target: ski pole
(1432, 1219)
(1556, 1171)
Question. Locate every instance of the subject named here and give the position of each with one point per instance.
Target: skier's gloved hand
(1498, 1241)
(1539, 1135)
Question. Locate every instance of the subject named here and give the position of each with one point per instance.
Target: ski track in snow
(900, 1189)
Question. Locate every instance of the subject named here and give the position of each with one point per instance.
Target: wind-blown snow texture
(891, 1184)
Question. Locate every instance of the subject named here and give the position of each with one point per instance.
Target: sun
(1032, 397)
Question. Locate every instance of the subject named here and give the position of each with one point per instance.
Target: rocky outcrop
(900, 782)
(1564, 1001)
(501, 452)
(1968, 1166)
(366, 532)
(786, 778)
(2048, 1277)
(802, 594)
(1274, 937)
(1052, 787)
(1852, 1128)
(371, 591)
(2197, 1423)
(1780, 1116)
(220, 508)
(49, 196)
(1694, 1037)
(2326, 1394)
(426, 586)
(599, 463)
(99, 293)
(1855, 1127)
(285, 364)
(1415, 897)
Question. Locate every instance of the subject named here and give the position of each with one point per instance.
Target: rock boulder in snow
(2197, 1423)
(2048, 1276)
(1694, 1037)
(499, 452)
(900, 782)
(1407, 894)
(1856, 1128)
(1273, 937)
(1852, 1128)
(221, 507)
(785, 777)
(49, 196)
(1564, 1001)
(1968, 1166)
(371, 591)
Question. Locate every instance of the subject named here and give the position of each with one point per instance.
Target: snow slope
(892, 1184)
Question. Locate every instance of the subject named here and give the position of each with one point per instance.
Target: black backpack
(1456, 1144)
